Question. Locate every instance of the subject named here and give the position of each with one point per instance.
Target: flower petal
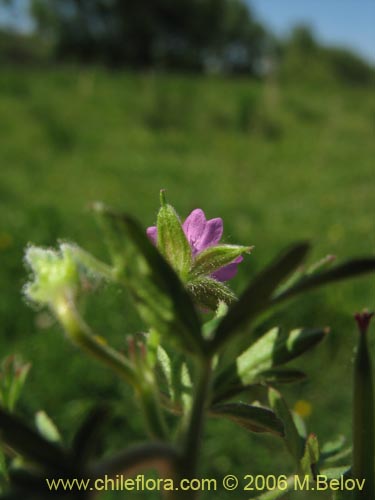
(227, 272)
(211, 235)
(152, 233)
(194, 227)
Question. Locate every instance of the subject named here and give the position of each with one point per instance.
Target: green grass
(278, 163)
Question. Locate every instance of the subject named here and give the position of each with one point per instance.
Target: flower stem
(193, 437)
(80, 334)
(363, 420)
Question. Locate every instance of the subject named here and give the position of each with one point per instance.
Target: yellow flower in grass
(303, 408)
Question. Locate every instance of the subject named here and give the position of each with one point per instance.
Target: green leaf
(171, 240)
(335, 472)
(349, 269)
(252, 418)
(30, 444)
(46, 427)
(293, 440)
(215, 257)
(258, 362)
(331, 448)
(208, 293)
(160, 297)
(274, 349)
(255, 298)
(310, 457)
(164, 362)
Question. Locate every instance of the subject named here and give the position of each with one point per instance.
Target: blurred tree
(301, 54)
(183, 34)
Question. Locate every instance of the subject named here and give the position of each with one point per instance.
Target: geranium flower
(202, 234)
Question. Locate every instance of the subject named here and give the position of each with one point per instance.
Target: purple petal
(228, 272)
(152, 233)
(211, 235)
(194, 227)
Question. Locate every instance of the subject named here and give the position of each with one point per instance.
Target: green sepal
(253, 418)
(209, 293)
(171, 239)
(216, 257)
(160, 297)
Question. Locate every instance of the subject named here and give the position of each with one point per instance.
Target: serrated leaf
(215, 257)
(46, 427)
(293, 440)
(255, 298)
(273, 349)
(29, 443)
(252, 418)
(171, 239)
(208, 292)
(160, 297)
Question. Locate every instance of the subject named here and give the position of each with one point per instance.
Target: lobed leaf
(259, 362)
(274, 349)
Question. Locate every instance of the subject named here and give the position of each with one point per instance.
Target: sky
(348, 23)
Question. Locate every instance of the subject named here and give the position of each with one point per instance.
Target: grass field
(279, 163)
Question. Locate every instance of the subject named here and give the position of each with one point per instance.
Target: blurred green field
(279, 162)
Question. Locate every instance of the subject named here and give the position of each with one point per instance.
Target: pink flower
(201, 234)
